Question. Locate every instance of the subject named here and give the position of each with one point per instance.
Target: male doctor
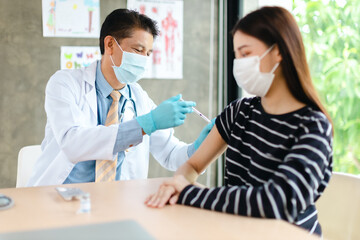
(101, 125)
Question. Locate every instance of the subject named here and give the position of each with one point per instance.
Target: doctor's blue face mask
(132, 67)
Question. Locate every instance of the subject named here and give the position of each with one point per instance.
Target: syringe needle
(198, 113)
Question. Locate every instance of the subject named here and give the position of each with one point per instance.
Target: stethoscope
(124, 104)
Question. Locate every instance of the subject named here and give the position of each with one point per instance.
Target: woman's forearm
(188, 172)
(211, 148)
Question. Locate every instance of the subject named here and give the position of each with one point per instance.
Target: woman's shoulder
(314, 121)
(244, 103)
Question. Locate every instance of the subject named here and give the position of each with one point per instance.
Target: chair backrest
(26, 160)
(339, 207)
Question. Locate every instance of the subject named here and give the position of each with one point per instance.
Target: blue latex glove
(204, 133)
(170, 113)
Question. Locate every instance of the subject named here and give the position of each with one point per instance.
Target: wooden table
(43, 208)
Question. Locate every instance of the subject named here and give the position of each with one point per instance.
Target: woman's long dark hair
(275, 25)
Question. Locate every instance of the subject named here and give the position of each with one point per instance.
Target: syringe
(198, 113)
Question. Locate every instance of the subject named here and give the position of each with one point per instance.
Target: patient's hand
(168, 192)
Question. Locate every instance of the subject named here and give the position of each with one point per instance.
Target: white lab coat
(73, 135)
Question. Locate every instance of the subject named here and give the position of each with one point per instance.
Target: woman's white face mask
(248, 76)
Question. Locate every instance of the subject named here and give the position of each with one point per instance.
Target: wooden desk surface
(42, 208)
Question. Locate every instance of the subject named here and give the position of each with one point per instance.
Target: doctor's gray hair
(122, 22)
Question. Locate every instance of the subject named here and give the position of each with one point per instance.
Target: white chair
(26, 160)
(339, 207)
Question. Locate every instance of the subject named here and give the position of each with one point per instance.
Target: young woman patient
(278, 144)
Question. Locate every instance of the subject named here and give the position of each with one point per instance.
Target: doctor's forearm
(129, 134)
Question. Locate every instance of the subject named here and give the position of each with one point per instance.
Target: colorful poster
(77, 57)
(71, 18)
(167, 56)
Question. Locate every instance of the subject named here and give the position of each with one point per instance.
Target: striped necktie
(105, 170)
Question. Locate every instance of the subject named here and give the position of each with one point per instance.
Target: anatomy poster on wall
(71, 18)
(73, 57)
(167, 56)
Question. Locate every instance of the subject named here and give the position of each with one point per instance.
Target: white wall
(287, 4)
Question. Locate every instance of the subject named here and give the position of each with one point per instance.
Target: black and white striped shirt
(276, 166)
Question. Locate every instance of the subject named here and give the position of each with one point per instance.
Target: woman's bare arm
(211, 148)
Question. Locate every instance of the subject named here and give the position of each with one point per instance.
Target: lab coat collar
(89, 74)
(90, 92)
(90, 89)
(100, 82)
(104, 87)
(125, 92)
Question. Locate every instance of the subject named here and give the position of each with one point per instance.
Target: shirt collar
(104, 87)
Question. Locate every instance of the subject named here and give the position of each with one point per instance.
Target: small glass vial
(85, 203)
